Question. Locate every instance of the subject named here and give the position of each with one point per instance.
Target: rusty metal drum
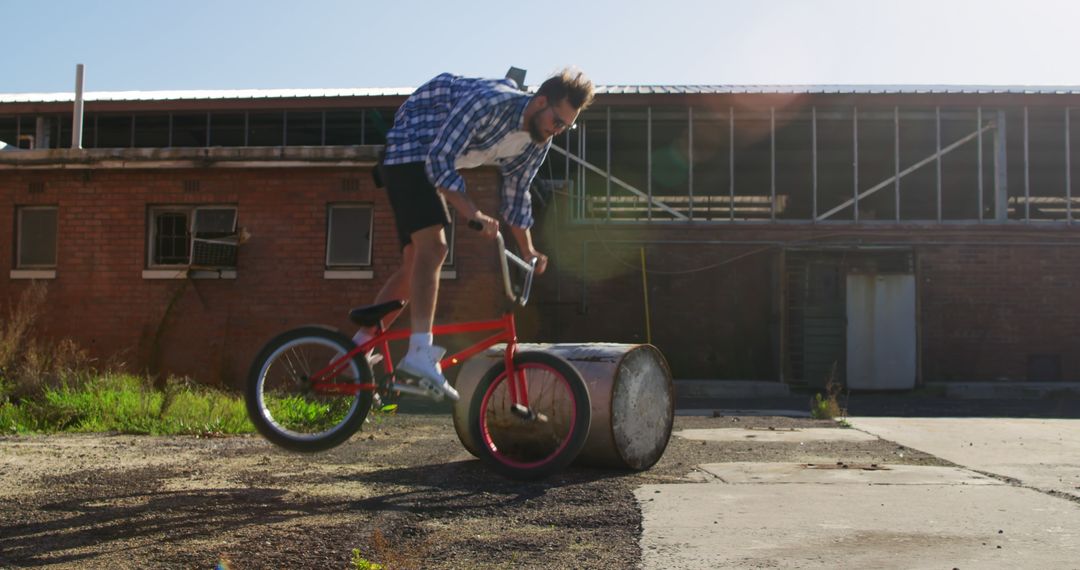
(633, 399)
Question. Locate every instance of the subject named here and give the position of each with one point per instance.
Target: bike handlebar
(528, 266)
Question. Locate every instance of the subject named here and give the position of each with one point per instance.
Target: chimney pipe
(77, 116)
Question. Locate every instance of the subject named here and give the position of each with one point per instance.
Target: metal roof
(203, 94)
(838, 89)
(600, 90)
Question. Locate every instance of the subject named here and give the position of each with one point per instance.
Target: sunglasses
(560, 125)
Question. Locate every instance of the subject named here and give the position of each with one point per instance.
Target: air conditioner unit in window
(214, 239)
(214, 252)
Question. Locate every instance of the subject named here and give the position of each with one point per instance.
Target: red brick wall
(215, 327)
(986, 308)
(985, 303)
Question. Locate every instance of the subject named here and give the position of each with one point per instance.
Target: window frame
(328, 263)
(189, 211)
(19, 211)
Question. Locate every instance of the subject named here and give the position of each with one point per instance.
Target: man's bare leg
(422, 358)
(398, 286)
(429, 253)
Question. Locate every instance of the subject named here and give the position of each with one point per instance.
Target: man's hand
(525, 244)
(541, 261)
(491, 225)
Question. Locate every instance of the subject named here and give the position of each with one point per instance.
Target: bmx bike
(310, 388)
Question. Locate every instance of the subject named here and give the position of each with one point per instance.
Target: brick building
(898, 235)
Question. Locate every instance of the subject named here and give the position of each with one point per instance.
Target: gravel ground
(404, 491)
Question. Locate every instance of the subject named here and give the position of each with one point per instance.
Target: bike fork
(519, 390)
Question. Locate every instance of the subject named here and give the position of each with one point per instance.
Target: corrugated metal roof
(601, 90)
(203, 94)
(838, 89)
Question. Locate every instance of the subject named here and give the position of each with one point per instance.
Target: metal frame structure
(679, 208)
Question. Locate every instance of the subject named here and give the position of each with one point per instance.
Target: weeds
(28, 364)
(360, 563)
(127, 404)
(51, 387)
(391, 557)
(827, 407)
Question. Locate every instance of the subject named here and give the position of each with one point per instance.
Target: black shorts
(415, 201)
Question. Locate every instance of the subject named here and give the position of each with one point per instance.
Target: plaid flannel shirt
(452, 115)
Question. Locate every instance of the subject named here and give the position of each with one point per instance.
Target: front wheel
(550, 436)
(285, 406)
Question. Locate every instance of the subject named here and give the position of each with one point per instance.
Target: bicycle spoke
(288, 409)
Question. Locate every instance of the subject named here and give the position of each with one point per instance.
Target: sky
(129, 45)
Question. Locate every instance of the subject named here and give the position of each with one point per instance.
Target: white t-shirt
(511, 145)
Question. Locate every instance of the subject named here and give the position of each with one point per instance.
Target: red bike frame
(322, 381)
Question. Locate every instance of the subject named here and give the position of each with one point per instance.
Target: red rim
(485, 433)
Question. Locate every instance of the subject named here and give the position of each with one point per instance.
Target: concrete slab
(834, 474)
(776, 435)
(1042, 454)
(731, 388)
(713, 412)
(813, 525)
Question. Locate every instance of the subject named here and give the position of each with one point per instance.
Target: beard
(534, 130)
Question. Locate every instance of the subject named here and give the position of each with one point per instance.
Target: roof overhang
(216, 157)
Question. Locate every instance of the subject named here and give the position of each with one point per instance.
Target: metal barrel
(633, 399)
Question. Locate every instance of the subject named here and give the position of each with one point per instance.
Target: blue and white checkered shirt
(451, 116)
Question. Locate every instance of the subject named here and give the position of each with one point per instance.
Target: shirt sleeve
(517, 177)
(461, 124)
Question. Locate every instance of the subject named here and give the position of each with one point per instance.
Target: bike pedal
(432, 392)
(410, 389)
(527, 414)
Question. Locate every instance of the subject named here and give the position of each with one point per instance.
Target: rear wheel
(284, 406)
(553, 433)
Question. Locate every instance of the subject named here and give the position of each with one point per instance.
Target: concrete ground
(1040, 454)
(946, 399)
(1011, 501)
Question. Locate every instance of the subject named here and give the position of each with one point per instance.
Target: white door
(881, 332)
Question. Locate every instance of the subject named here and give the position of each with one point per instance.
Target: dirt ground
(404, 491)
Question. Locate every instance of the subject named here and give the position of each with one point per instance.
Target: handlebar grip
(475, 225)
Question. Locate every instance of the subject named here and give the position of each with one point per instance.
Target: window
(266, 129)
(152, 131)
(112, 131)
(189, 130)
(303, 129)
(35, 237)
(192, 236)
(227, 129)
(344, 127)
(348, 236)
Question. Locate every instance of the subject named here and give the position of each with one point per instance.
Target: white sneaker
(423, 362)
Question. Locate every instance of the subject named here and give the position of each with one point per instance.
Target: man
(451, 123)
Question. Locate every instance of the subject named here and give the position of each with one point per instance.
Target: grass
(395, 557)
(126, 403)
(828, 407)
(49, 386)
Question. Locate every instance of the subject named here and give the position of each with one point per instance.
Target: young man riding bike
(451, 123)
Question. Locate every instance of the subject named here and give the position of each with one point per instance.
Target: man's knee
(429, 245)
(433, 253)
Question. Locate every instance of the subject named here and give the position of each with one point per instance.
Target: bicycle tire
(524, 449)
(271, 410)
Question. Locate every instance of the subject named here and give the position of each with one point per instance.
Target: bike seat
(370, 315)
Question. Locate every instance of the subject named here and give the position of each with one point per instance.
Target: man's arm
(524, 240)
(516, 207)
(467, 208)
(461, 123)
